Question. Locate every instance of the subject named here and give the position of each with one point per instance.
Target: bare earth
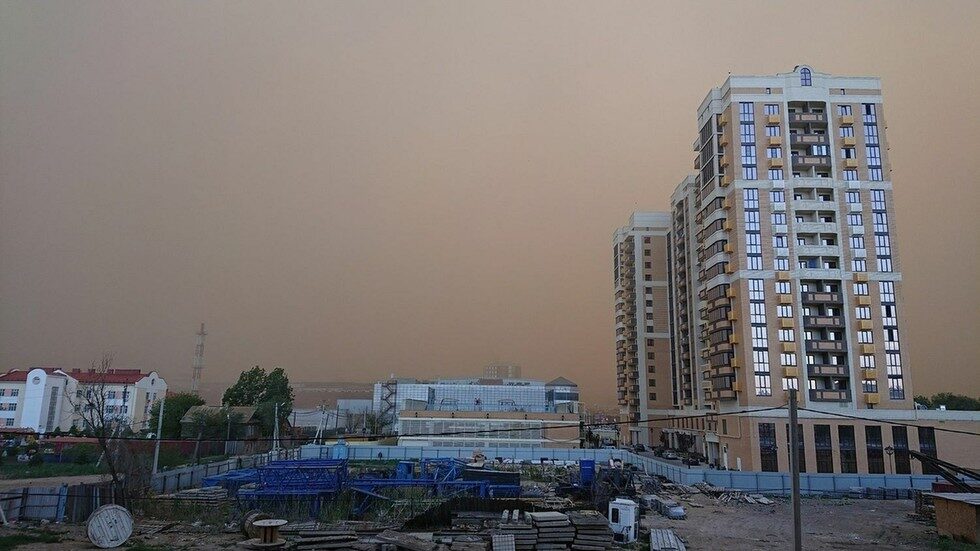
(827, 524)
(52, 482)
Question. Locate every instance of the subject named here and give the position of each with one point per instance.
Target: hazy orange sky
(353, 189)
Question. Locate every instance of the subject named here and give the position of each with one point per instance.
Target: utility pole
(156, 447)
(198, 364)
(794, 467)
(228, 435)
(275, 431)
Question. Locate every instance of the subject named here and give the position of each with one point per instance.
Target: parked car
(640, 448)
(671, 454)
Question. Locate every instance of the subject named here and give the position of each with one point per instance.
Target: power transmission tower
(198, 364)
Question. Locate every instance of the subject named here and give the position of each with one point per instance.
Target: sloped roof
(246, 413)
(20, 375)
(560, 381)
(111, 376)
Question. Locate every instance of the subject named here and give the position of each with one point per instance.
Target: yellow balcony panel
(736, 386)
(776, 163)
(723, 139)
(846, 120)
(786, 323)
(725, 161)
(728, 248)
(730, 292)
(729, 268)
(850, 163)
(728, 226)
(791, 371)
(733, 339)
(861, 276)
(782, 276)
(725, 118)
(869, 374)
(865, 325)
(732, 316)
(864, 300)
(726, 204)
(871, 399)
(789, 347)
(726, 180)
(772, 119)
(849, 141)
(785, 299)
(867, 349)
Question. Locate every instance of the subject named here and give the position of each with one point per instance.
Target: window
(784, 311)
(822, 444)
(886, 288)
(847, 131)
(861, 290)
(865, 337)
(876, 458)
(900, 442)
(848, 449)
(775, 174)
(772, 109)
(859, 265)
(787, 358)
(15, 392)
(884, 264)
(767, 447)
(756, 291)
(850, 175)
(857, 241)
(927, 445)
(772, 131)
(783, 287)
(844, 110)
(782, 263)
(855, 219)
(750, 173)
(746, 111)
(786, 335)
(878, 199)
(750, 198)
(862, 312)
(805, 77)
(9, 422)
(780, 241)
(779, 219)
(777, 196)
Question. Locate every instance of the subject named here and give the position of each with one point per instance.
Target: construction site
(321, 498)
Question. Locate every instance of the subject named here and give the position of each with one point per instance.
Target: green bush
(36, 460)
(80, 454)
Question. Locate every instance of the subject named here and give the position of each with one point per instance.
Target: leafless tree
(91, 404)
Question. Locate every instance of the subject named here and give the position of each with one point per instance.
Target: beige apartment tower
(642, 289)
(784, 274)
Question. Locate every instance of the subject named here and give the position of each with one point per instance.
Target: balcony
(827, 370)
(850, 163)
(869, 374)
(804, 118)
(808, 139)
(776, 162)
(775, 140)
(822, 298)
(823, 321)
(846, 120)
(824, 395)
(811, 161)
(848, 141)
(725, 394)
(826, 346)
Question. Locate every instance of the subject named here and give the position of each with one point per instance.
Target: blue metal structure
(285, 483)
(279, 485)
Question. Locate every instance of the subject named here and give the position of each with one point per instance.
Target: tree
(91, 404)
(173, 411)
(957, 402)
(376, 423)
(263, 391)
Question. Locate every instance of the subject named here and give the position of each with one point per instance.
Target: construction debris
(325, 539)
(555, 531)
(211, 496)
(592, 532)
(405, 541)
(665, 540)
(525, 536)
(469, 543)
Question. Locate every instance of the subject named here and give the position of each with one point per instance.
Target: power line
(559, 424)
(886, 421)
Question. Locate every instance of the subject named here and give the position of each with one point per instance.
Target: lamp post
(891, 459)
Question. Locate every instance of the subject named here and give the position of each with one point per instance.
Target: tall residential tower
(784, 274)
(643, 373)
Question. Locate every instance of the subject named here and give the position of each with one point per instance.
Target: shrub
(35, 460)
(80, 454)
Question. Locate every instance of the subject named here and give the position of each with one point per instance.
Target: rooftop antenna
(198, 364)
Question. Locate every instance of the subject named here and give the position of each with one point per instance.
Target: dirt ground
(827, 524)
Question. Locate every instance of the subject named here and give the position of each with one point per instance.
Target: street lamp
(891, 452)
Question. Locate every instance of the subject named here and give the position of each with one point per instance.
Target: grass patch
(12, 541)
(44, 470)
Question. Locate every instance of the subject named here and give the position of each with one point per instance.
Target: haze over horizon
(350, 190)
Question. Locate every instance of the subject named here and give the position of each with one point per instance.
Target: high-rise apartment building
(784, 274)
(643, 351)
(784, 248)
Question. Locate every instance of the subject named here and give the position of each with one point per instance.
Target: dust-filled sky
(353, 189)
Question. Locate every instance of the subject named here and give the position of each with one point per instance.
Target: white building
(46, 398)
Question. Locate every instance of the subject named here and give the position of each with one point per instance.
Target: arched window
(805, 77)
